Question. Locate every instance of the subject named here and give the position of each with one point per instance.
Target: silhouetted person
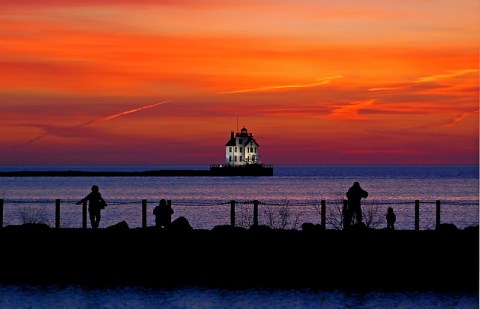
(95, 205)
(391, 218)
(163, 214)
(354, 195)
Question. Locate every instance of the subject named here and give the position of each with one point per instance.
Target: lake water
(204, 201)
(65, 297)
(294, 191)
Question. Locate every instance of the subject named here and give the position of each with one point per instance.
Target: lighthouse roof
(231, 142)
(243, 133)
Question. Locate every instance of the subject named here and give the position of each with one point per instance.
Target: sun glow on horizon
(324, 78)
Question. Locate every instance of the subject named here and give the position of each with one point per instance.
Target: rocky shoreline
(230, 257)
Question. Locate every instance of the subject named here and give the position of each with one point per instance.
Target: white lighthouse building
(242, 149)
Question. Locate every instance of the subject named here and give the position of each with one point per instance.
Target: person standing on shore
(95, 205)
(163, 214)
(391, 218)
(354, 195)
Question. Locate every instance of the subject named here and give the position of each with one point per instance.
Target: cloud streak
(449, 74)
(320, 81)
(108, 118)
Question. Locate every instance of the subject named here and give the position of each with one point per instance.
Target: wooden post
(169, 204)
(255, 213)
(232, 213)
(1, 213)
(437, 221)
(323, 214)
(57, 213)
(345, 217)
(417, 215)
(144, 213)
(84, 215)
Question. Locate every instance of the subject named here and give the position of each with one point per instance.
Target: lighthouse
(242, 149)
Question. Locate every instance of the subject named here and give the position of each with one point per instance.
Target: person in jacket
(95, 205)
(354, 196)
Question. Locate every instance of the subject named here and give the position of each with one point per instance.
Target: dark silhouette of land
(446, 259)
(215, 170)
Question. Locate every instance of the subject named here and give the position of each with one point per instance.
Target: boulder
(180, 224)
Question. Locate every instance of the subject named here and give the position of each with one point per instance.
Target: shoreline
(232, 257)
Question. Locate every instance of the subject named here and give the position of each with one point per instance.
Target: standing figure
(95, 205)
(354, 195)
(391, 218)
(163, 214)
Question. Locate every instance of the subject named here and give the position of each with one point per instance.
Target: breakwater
(215, 170)
(152, 173)
(229, 256)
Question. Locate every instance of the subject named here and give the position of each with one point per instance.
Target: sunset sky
(139, 82)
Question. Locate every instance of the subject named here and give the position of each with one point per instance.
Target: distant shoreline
(105, 173)
(215, 170)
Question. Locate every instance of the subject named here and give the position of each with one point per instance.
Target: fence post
(255, 213)
(417, 215)
(323, 214)
(84, 215)
(345, 217)
(1, 213)
(57, 213)
(144, 213)
(169, 204)
(232, 213)
(437, 217)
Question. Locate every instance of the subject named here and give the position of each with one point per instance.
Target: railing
(334, 219)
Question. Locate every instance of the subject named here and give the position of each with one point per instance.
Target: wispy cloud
(388, 88)
(123, 113)
(59, 130)
(350, 111)
(460, 117)
(319, 82)
(448, 74)
(379, 151)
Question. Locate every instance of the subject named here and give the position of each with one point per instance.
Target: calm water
(204, 201)
(295, 190)
(191, 298)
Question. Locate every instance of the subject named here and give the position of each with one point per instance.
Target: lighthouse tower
(242, 149)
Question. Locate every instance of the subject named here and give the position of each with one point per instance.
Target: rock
(447, 227)
(29, 227)
(120, 226)
(227, 229)
(310, 227)
(180, 224)
(260, 228)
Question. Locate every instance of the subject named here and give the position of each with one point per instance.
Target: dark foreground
(230, 258)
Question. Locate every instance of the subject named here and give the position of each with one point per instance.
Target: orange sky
(315, 81)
